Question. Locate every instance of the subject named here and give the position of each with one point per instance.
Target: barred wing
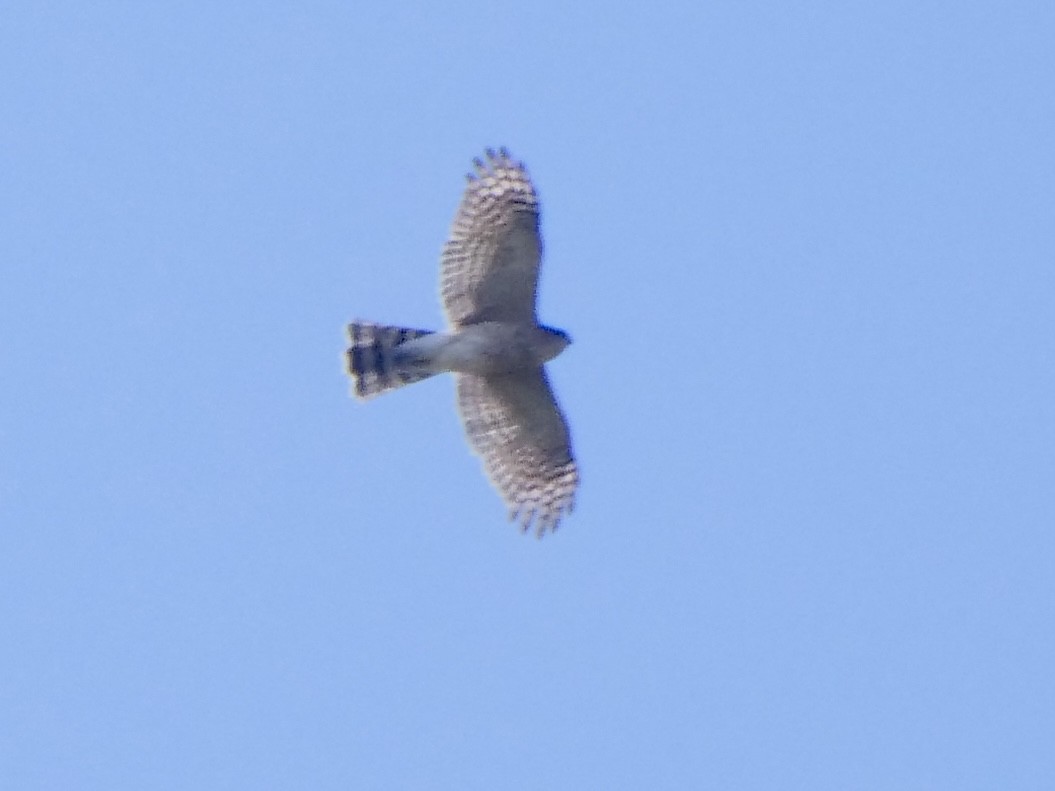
(490, 263)
(513, 423)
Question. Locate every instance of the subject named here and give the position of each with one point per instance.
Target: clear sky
(807, 256)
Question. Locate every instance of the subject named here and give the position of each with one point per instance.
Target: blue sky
(807, 255)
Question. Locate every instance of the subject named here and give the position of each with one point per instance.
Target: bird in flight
(493, 344)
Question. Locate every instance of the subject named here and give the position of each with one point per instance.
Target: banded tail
(374, 360)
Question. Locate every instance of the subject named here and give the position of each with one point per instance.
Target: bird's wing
(513, 423)
(490, 264)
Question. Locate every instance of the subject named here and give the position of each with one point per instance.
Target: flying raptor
(493, 344)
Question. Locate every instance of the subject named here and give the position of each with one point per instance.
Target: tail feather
(373, 358)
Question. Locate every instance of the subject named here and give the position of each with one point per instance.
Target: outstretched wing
(514, 424)
(490, 263)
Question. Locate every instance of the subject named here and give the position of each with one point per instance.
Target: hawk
(494, 345)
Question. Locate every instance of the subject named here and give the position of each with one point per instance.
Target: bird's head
(556, 341)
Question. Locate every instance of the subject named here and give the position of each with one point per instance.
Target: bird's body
(494, 345)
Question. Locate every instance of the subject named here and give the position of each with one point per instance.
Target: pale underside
(489, 273)
(494, 346)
